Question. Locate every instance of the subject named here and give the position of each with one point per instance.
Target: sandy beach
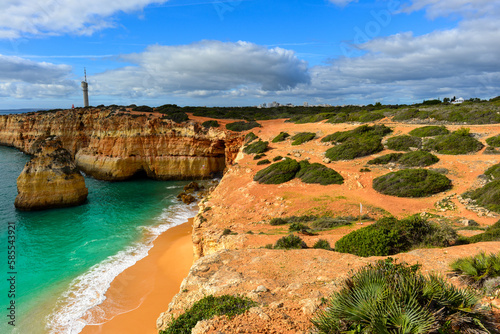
(139, 294)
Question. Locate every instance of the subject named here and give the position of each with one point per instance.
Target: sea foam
(72, 311)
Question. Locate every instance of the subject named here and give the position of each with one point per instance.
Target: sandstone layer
(111, 145)
(50, 179)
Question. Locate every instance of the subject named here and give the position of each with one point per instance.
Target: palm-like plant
(479, 268)
(390, 298)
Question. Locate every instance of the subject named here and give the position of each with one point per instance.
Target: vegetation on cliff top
(206, 308)
(458, 142)
(256, 147)
(281, 137)
(355, 148)
(303, 137)
(410, 159)
(288, 169)
(412, 183)
(364, 131)
(389, 297)
(404, 143)
(242, 126)
(389, 236)
(429, 131)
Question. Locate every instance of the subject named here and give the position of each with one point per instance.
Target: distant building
(306, 104)
(458, 101)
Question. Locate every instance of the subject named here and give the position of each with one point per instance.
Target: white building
(458, 101)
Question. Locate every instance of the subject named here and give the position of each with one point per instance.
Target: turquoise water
(66, 258)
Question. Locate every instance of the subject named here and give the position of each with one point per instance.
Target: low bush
(207, 308)
(409, 114)
(278, 221)
(388, 297)
(385, 159)
(277, 158)
(259, 156)
(281, 137)
(389, 236)
(326, 223)
(411, 183)
(418, 159)
(493, 172)
(318, 173)
(279, 172)
(454, 143)
(322, 244)
(210, 124)
(487, 196)
(264, 162)
(250, 137)
(298, 227)
(491, 234)
(143, 109)
(403, 143)
(256, 147)
(290, 242)
(355, 148)
(242, 126)
(494, 141)
(178, 117)
(371, 117)
(479, 268)
(303, 137)
(429, 131)
(359, 132)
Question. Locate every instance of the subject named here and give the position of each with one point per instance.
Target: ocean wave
(87, 291)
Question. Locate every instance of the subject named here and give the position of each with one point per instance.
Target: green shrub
(494, 141)
(409, 114)
(226, 231)
(355, 148)
(371, 117)
(178, 117)
(143, 109)
(256, 147)
(250, 137)
(264, 162)
(411, 183)
(277, 158)
(418, 159)
(454, 144)
(278, 221)
(491, 234)
(388, 297)
(390, 236)
(297, 227)
(359, 132)
(429, 131)
(242, 126)
(479, 268)
(279, 172)
(385, 159)
(210, 124)
(326, 223)
(281, 137)
(290, 242)
(403, 143)
(493, 172)
(207, 308)
(259, 156)
(322, 244)
(318, 173)
(303, 137)
(487, 196)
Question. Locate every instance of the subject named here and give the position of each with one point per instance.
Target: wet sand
(139, 294)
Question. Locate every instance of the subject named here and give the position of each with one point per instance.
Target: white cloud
(201, 69)
(25, 79)
(52, 17)
(467, 8)
(342, 3)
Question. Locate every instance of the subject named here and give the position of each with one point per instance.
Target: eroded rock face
(114, 146)
(50, 179)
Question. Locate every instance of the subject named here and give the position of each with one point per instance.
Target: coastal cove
(67, 258)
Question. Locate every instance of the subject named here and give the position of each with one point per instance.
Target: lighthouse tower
(85, 88)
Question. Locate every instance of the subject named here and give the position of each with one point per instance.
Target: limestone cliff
(50, 179)
(112, 145)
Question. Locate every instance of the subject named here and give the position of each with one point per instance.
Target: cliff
(50, 179)
(111, 145)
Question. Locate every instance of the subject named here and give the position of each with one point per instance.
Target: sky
(247, 52)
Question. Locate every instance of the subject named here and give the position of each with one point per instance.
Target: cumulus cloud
(203, 68)
(42, 17)
(25, 79)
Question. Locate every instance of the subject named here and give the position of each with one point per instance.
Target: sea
(57, 264)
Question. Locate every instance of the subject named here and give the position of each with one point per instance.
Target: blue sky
(246, 52)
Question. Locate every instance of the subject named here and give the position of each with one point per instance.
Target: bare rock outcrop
(50, 179)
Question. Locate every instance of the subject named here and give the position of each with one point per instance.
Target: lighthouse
(85, 88)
